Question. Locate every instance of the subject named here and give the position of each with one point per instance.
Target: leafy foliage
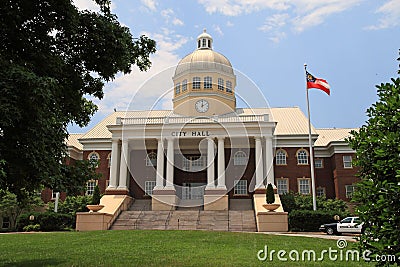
(270, 194)
(96, 195)
(47, 221)
(310, 220)
(378, 155)
(73, 204)
(52, 57)
(294, 201)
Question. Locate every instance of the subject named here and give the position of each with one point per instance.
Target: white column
(123, 175)
(170, 164)
(210, 164)
(160, 165)
(114, 165)
(259, 163)
(221, 163)
(269, 161)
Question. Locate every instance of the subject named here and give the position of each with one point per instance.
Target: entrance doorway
(193, 191)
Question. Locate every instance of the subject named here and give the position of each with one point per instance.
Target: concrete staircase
(140, 217)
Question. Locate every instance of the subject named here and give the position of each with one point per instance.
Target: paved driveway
(347, 237)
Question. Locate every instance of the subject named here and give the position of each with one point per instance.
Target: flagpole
(311, 147)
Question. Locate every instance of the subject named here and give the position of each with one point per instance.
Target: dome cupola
(204, 76)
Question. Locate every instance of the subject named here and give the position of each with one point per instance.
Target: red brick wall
(103, 168)
(343, 176)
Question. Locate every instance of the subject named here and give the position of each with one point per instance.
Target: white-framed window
(90, 185)
(350, 190)
(207, 82)
(304, 186)
(196, 83)
(204, 44)
(221, 84)
(177, 88)
(282, 185)
(280, 157)
(148, 187)
(319, 163)
(240, 158)
(194, 163)
(184, 85)
(302, 157)
(109, 160)
(240, 187)
(53, 194)
(320, 191)
(228, 86)
(347, 162)
(151, 159)
(94, 159)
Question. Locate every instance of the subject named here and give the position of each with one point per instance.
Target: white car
(347, 225)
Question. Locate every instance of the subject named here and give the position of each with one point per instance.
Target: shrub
(310, 220)
(47, 221)
(73, 204)
(96, 196)
(270, 194)
(31, 228)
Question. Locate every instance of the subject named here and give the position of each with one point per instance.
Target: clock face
(201, 106)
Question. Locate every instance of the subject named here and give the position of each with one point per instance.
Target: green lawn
(156, 248)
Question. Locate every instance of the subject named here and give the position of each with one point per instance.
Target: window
(109, 160)
(350, 190)
(280, 157)
(94, 159)
(196, 83)
(198, 44)
(204, 43)
(347, 220)
(228, 86)
(320, 191)
(302, 157)
(53, 194)
(148, 187)
(347, 162)
(151, 159)
(282, 185)
(184, 85)
(319, 163)
(221, 84)
(304, 186)
(240, 187)
(194, 163)
(240, 159)
(209, 43)
(90, 185)
(207, 82)
(177, 88)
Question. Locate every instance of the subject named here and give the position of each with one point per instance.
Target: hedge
(48, 221)
(310, 220)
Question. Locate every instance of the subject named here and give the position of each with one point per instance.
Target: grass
(156, 248)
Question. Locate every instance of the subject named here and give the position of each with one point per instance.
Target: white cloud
(238, 7)
(229, 24)
(218, 30)
(390, 15)
(277, 37)
(169, 16)
(90, 5)
(274, 22)
(142, 90)
(150, 4)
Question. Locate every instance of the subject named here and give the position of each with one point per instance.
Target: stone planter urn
(271, 207)
(94, 208)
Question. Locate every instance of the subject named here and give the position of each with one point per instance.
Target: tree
(378, 155)
(96, 196)
(270, 196)
(52, 58)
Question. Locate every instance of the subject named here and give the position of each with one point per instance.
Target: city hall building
(206, 152)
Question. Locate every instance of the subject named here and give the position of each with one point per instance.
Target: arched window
(207, 82)
(240, 158)
(94, 159)
(196, 83)
(280, 157)
(302, 157)
(151, 159)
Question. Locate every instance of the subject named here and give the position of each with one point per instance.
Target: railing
(192, 120)
(167, 220)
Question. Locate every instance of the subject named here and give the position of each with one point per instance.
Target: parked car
(347, 225)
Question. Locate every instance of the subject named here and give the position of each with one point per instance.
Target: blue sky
(353, 44)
